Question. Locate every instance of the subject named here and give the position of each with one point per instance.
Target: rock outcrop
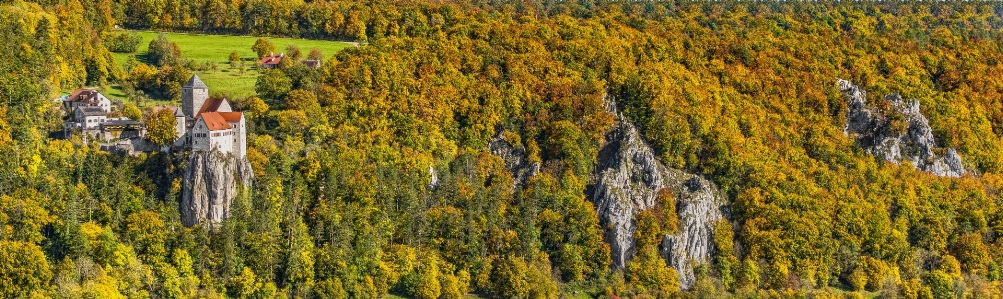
(433, 181)
(130, 146)
(628, 181)
(515, 159)
(897, 133)
(210, 184)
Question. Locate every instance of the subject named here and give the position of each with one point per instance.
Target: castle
(202, 123)
(214, 126)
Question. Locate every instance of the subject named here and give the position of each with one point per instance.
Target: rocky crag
(628, 181)
(210, 185)
(515, 159)
(898, 133)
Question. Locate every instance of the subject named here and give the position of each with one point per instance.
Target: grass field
(202, 48)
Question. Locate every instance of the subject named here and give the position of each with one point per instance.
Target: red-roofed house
(271, 61)
(87, 97)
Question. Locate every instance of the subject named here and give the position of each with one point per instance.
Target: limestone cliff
(210, 184)
(515, 159)
(628, 180)
(898, 133)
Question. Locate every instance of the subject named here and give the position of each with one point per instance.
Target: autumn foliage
(742, 93)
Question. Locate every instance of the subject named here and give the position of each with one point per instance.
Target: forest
(742, 93)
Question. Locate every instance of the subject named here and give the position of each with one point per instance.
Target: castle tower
(193, 95)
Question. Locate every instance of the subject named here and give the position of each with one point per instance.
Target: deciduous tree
(160, 127)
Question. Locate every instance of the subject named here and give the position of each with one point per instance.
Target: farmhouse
(271, 61)
(87, 97)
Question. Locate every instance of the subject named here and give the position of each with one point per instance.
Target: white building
(214, 126)
(93, 122)
(87, 117)
(86, 97)
(221, 131)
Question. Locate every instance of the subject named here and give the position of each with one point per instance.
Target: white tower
(193, 95)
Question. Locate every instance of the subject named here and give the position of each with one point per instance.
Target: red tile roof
(211, 105)
(82, 95)
(214, 121)
(272, 59)
(231, 116)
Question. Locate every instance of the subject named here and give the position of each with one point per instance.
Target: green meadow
(217, 48)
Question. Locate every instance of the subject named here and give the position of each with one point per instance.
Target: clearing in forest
(205, 48)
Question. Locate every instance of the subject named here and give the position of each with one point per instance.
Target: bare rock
(210, 185)
(515, 159)
(898, 133)
(628, 181)
(433, 181)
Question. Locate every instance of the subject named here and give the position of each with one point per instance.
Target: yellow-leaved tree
(160, 127)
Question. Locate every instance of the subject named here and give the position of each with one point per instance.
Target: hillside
(524, 150)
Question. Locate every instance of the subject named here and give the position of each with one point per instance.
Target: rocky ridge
(899, 133)
(210, 184)
(628, 180)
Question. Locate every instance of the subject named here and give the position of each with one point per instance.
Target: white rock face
(210, 184)
(628, 180)
(515, 159)
(433, 181)
(874, 130)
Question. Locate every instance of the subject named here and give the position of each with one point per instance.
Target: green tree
(245, 284)
(234, 59)
(132, 112)
(255, 105)
(273, 85)
(163, 52)
(302, 100)
(940, 283)
(24, 270)
(23, 215)
(330, 289)
(315, 55)
(294, 53)
(98, 70)
(122, 42)
(263, 47)
(160, 127)
(146, 231)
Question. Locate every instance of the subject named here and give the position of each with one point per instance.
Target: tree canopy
(343, 204)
